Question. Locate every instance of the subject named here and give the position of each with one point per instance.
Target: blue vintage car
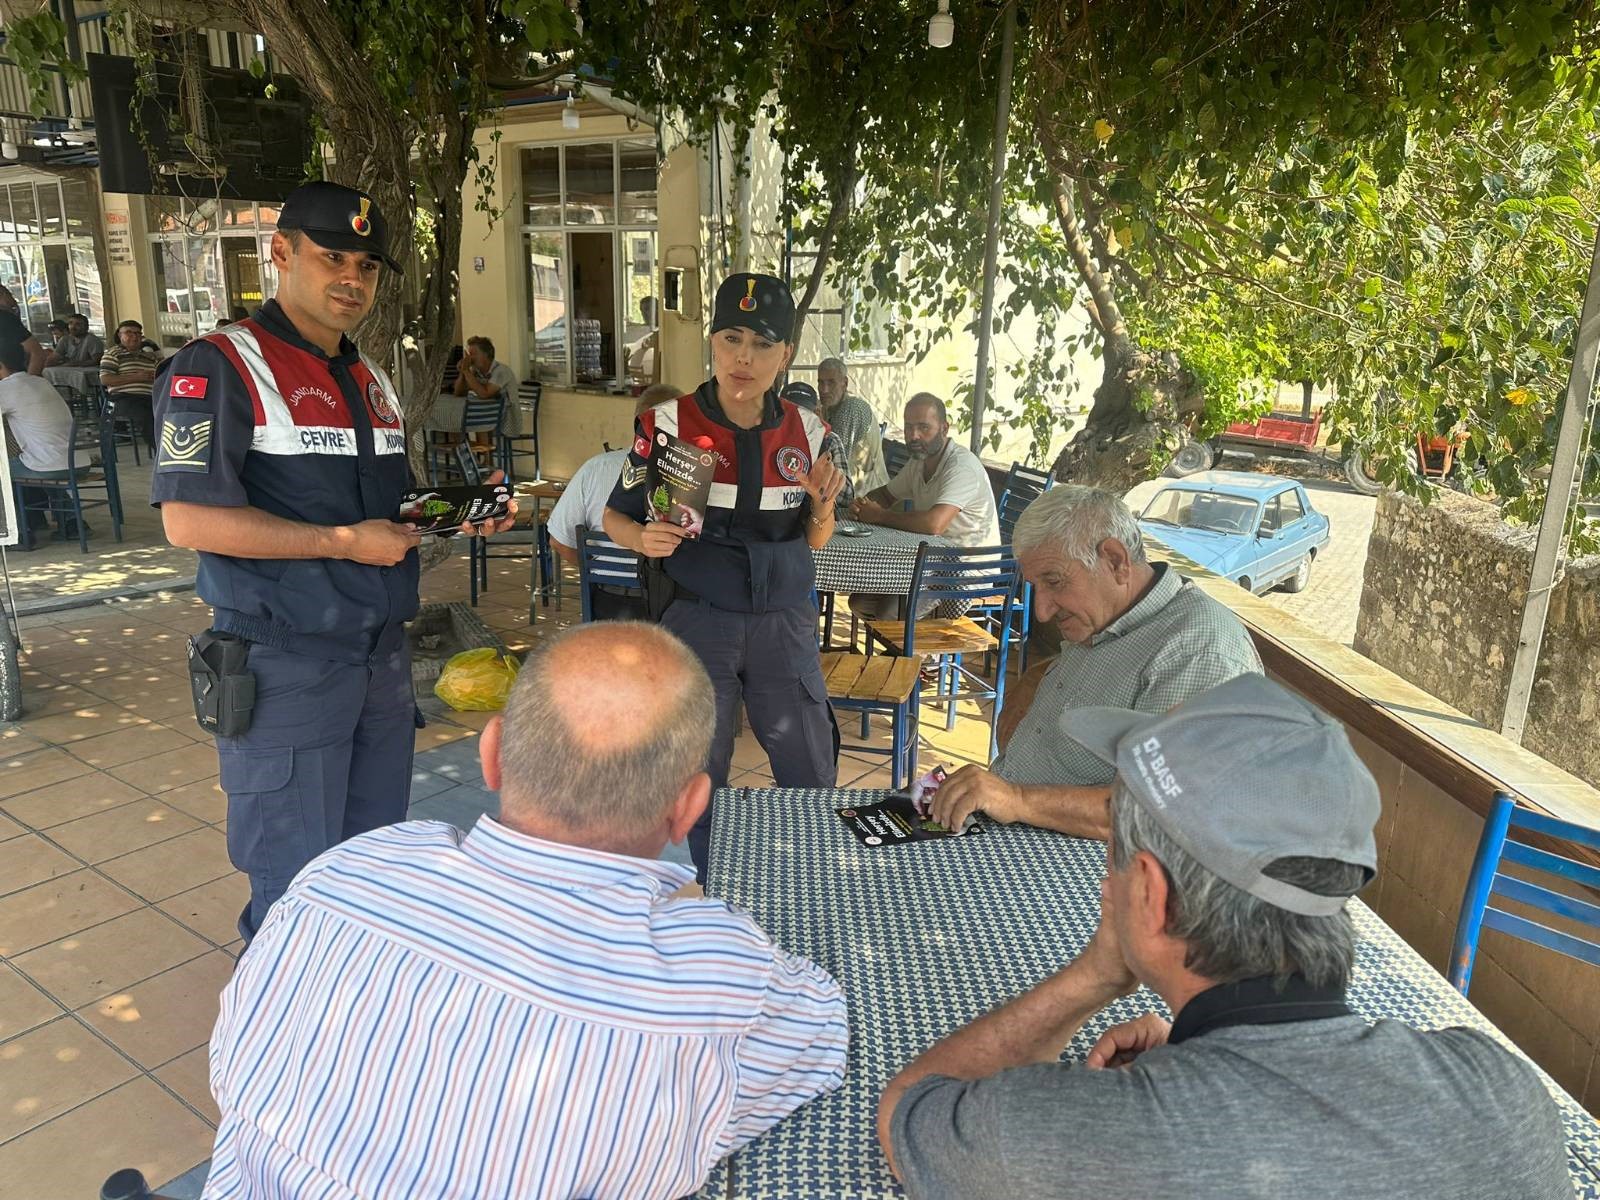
(1258, 530)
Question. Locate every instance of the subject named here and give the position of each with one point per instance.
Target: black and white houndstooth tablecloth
(924, 938)
(879, 565)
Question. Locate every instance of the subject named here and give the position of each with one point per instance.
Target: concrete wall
(1442, 604)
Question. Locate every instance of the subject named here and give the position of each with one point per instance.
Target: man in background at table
(853, 420)
(128, 373)
(949, 492)
(1241, 824)
(79, 348)
(583, 503)
(12, 327)
(525, 1009)
(40, 423)
(1134, 635)
(485, 378)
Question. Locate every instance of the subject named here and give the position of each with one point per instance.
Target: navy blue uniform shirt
(255, 415)
(752, 554)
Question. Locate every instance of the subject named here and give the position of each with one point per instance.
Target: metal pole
(1557, 502)
(991, 244)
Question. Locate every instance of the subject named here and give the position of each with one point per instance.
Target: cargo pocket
(819, 729)
(269, 832)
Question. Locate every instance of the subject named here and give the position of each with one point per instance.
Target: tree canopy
(1397, 198)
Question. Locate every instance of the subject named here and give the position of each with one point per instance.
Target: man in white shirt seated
(484, 379)
(79, 348)
(41, 426)
(949, 492)
(583, 503)
(526, 1009)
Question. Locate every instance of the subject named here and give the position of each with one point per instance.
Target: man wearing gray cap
(1241, 824)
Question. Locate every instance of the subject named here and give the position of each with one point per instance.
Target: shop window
(638, 170)
(547, 306)
(8, 232)
(592, 308)
(24, 211)
(591, 184)
(50, 221)
(541, 186)
(79, 204)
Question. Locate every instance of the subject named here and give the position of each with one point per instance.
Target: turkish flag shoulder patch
(190, 387)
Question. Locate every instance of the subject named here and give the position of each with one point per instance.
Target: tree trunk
(1143, 399)
(1305, 398)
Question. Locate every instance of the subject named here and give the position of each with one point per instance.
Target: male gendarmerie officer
(282, 461)
(744, 586)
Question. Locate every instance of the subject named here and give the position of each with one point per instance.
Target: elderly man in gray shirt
(1134, 635)
(1241, 824)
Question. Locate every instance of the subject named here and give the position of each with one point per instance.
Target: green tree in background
(1397, 198)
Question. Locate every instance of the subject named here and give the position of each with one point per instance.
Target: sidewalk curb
(137, 591)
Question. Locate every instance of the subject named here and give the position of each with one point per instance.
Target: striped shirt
(119, 361)
(1176, 642)
(427, 1013)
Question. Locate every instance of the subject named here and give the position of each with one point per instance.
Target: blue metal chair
(1022, 487)
(955, 576)
(1488, 880)
(895, 456)
(526, 542)
(65, 496)
(881, 684)
(477, 416)
(529, 393)
(603, 563)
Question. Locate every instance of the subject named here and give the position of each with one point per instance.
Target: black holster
(224, 692)
(659, 588)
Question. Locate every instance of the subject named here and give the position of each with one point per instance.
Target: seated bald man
(524, 1010)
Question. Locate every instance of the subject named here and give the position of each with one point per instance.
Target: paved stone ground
(1332, 600)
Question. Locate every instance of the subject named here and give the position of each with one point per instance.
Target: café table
(923, 938)
(545, 577)
(80, 379)
(879, 564)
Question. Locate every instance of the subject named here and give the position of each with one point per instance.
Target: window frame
(617, 229)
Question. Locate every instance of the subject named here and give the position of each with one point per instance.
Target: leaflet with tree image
(678, 481)
(446, 509)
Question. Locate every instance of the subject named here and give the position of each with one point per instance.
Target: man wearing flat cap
(1241, 824)
(281, 459)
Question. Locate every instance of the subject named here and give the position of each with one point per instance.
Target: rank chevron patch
(185, 443)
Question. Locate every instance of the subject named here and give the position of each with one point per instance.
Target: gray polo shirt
(1328, 1108)
(1174, 643)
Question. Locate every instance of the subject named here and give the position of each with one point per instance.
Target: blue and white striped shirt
(427, 1013)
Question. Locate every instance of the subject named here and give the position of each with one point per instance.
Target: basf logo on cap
(1152, 764)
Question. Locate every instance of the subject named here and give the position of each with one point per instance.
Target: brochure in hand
(903, 817)
(678, 480)
(446, 509)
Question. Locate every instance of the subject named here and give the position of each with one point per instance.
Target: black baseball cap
(800, 393)
(762, 303)
(336, 217)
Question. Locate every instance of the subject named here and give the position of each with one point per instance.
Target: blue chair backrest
(1022, 487)
(602, 561)
(1488, 880)
(961, 574)
(479, 414)
(471, 472)
(895, 456)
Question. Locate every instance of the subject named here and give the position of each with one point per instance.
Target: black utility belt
(224, 691)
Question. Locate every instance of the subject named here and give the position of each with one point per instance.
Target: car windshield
(1201, 510)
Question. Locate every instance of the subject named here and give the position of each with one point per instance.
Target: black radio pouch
(224, 692)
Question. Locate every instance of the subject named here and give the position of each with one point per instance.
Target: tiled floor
(60, 571)
(117, 901)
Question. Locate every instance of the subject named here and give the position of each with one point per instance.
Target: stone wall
(1441, 605)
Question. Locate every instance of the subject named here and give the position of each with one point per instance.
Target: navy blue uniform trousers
(770, 661)
(327, 756)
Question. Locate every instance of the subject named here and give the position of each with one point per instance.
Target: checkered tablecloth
(879, 565)
(924, 938)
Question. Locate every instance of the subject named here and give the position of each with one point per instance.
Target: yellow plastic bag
(477, 680)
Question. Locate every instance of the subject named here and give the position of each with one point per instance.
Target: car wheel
(1302, 576)
(1190, 459)
(1357, 472)
(1244, 582)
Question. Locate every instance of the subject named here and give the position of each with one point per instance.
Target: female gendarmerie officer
(744, 585)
